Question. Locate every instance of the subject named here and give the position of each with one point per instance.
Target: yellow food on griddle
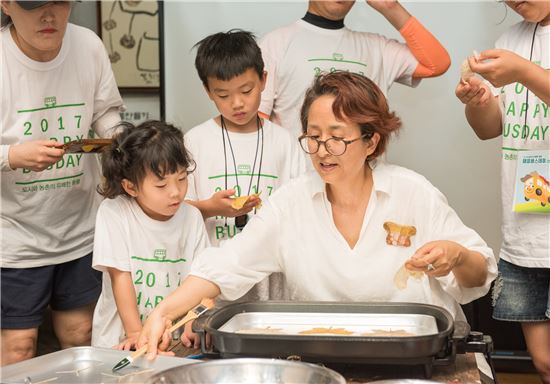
(330, 331)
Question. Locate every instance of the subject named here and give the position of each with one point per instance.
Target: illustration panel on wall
(130, 32)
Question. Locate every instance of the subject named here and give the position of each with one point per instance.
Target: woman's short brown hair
(356, 99)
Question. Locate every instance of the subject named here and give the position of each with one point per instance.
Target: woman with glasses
(355, 229)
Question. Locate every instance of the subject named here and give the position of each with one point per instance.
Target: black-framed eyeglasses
(335, 146)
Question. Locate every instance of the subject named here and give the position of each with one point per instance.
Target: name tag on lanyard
(532, 187)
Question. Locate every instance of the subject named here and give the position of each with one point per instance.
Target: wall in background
(435, 140)
(139, 106)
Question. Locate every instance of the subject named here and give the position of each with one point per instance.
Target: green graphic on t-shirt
(154, 260)
(159, 254)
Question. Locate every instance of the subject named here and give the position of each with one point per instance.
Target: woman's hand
(473, 92)
(35, 155)
(155, 334)
(130, 342)
(383, 5)
(499, 66)
(220, 204)
(189, 338)
(436, 258)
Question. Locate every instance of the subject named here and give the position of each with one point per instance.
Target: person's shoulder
(190, 214)
(402, 178)
(199, 131)
(115, 206)
(514, 32)
(277, 130)
(84, 37)
(281, 32)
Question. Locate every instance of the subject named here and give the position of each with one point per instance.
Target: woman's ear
(129, 187)
(373, 143)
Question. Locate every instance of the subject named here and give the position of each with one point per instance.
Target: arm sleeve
(106, 125)
(447, 225)
(107, 98)
(433, 59)
(110, 247)
(270, 66)
(4, 159)
(244, 260)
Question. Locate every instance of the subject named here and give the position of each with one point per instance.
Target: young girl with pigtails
(146, 235)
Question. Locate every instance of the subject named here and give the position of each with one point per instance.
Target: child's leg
(77, 287)
(537, 338)
(523, 295)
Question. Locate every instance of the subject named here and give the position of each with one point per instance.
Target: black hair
(225, 55)
(153, 146)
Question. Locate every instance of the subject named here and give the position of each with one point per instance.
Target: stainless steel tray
(332, 324)
(86, 365)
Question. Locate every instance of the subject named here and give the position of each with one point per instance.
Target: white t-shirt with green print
(282, 160)
(48, 217)
(525, 239)
(158, 254)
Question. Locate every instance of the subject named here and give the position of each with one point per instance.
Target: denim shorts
(27, 292)
(521, 294)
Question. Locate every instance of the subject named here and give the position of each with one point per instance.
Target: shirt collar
(381, 178)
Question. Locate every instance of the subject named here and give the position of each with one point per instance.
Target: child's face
(238, 99)
(39, 32)
(160, 198)
(533, 11)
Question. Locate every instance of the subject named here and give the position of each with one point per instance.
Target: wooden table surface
(463, 371)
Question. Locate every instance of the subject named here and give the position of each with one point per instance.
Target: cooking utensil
(85, 365)
(204, 305)
(249, 371)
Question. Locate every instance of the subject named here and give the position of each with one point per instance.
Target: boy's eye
(222, 96)
(247, 91)
(182, 178)
(160, 185)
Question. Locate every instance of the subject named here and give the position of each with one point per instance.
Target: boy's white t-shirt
(281, 161)
(48, 217)
(158, 254)
(526, 239)
(295, 54)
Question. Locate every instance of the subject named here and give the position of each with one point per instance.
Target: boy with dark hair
(237, 153)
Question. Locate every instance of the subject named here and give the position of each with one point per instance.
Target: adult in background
(320, 42)
(57, 86)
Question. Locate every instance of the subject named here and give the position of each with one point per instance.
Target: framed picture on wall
(130, 31)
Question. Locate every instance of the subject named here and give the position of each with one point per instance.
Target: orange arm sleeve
(433, 59)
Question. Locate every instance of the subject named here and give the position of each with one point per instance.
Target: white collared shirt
(294, 233)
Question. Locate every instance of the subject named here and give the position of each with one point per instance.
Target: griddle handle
(199, 327)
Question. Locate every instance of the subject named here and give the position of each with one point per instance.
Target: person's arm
(190, 293)
(469, 267)
(125, 299)
(433, 59)
(107, 124)
(502, 67)
(482, 108)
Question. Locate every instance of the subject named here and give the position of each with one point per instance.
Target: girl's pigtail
(114, 161)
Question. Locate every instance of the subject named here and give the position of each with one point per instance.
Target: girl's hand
(189, 338)
(155, 334)
(35, 155)
(473, 92)
(436, 258)
(130, 342)
(499, 66)
(221, 201)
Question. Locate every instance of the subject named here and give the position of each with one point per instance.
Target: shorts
(27, 292)
(521, 293)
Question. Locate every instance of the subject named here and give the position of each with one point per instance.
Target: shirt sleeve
(399, 62)
(4, 158)
(270, 66)
(110, 247)
(447, 225)
(106, 96)
(244, 260)
(106, 125)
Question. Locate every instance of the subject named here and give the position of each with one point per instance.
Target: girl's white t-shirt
(158, 254)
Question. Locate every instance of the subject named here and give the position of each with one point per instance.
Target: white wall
(435, 140)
